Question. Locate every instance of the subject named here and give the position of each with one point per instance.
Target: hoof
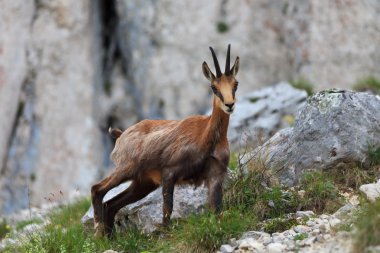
(99, 230)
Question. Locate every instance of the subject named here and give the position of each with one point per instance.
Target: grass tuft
(4, 229)
(368, 227)
(279, 224)
(303, 84)
(374, 155)
(206, 232)
(369, 83)
(300, 237)
(222, 27)
(321, 195)
(352, 177)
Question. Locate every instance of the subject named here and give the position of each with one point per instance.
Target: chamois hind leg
(98, 190)
(136, 191)
(215, 178)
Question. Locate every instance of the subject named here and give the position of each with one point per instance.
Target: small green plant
(303, 84)
(368, 227)
(279, 224)
(300, 237)
(222, 27)
(321, 195)
(254, 99)
(107, 87)
(234, 161)
(374, 155)
(4, 228)
(275, 202)
(369, 83)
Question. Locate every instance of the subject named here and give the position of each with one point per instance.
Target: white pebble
(275, 248)
(334, 222)
(315, 231)
(304, 213)
(250, 244)
(226, 248)
(326, 236)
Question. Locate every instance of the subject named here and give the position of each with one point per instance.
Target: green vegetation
(300, 237)
(254, 99)
(374, 155)
(206, 232)
(222, 27)
(352, 177)
(369, 83)
(368, 227)
(279, 224)
(303, 84)
(4, 228)
(107, 87)
(234, 161)
(21, 224)
(321, 195)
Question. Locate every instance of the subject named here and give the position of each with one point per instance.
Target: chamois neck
(217, 126)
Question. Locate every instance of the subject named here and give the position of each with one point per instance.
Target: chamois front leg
(215, 179)
(168, 183)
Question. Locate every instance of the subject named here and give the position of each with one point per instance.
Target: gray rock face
(56, 143)
(146, 214)
(334, 129)
(14, 40)
(260, 114)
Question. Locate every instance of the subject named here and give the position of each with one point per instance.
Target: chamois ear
(207, 72)
(235, 68)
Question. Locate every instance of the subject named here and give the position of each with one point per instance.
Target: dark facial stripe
(217, 92)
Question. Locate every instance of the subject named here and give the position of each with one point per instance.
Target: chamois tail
(115, 133)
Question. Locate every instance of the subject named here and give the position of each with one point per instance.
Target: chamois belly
(188, 173)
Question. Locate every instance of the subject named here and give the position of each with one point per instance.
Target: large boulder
(260, 114)
(335, 129)
(146, 213)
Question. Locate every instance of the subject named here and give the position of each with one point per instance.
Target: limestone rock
(371, 191)
(147, 213)
(333, 130)
(260, 114)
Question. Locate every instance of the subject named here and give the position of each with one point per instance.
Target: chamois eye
(236, 85)
(214, 89)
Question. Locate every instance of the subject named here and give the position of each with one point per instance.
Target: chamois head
(224, 85)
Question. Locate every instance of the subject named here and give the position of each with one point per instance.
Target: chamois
(168, 152)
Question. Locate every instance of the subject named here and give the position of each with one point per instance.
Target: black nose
(229, 105)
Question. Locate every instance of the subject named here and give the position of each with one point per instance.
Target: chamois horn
(216, 63)
(227, 70)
